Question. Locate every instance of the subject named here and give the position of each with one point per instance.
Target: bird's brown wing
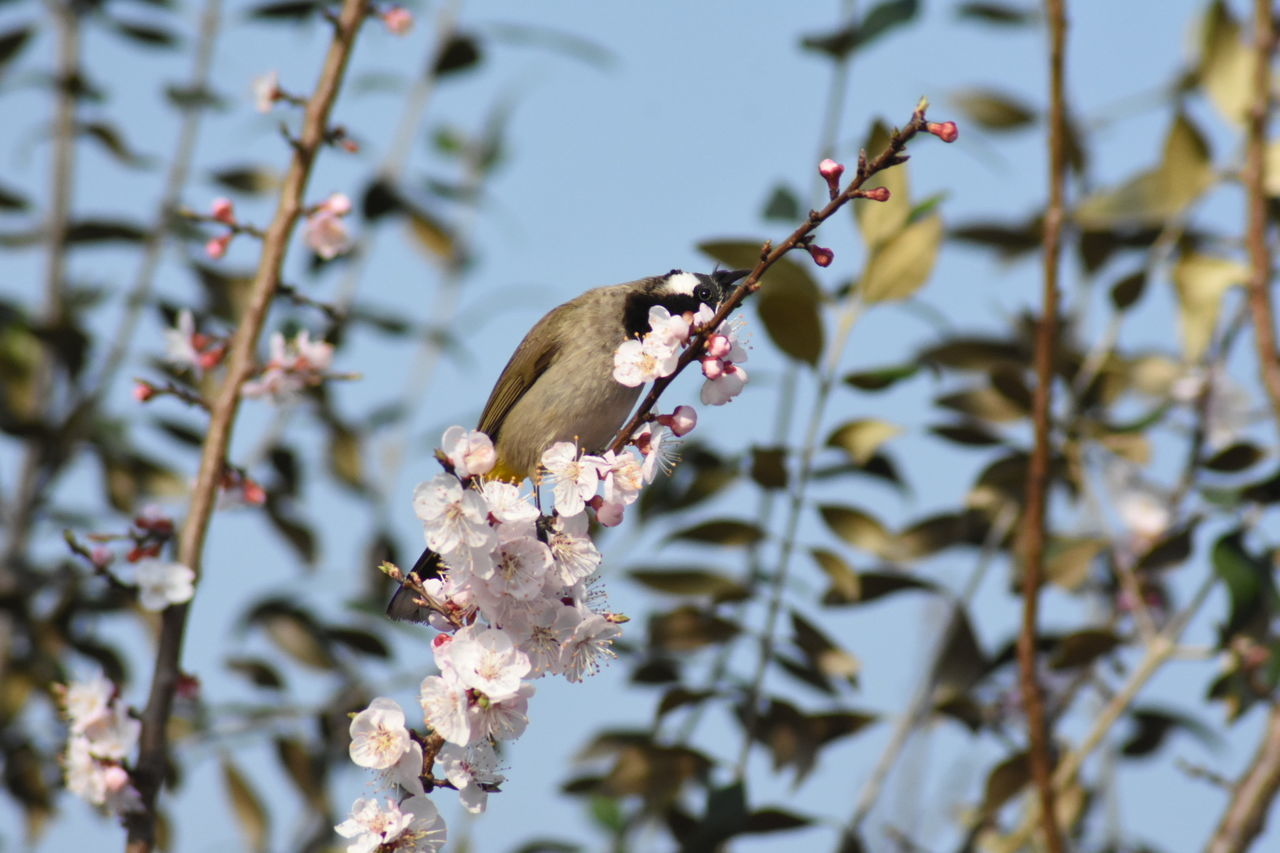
(530, 360)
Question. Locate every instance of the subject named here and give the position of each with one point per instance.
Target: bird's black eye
(705, 293)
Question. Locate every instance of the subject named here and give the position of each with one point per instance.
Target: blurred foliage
(738, 598)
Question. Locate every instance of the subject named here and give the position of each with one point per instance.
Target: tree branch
(153, 757)
(1033, 536)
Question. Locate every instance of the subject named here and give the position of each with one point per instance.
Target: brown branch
(153, 757)
(1255, 177)
(770, 255)
(1252, 796)
(1033, 535)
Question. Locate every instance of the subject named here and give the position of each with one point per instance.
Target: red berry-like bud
(946, 131)
(143, 391)
(217, 246)
(223, 210)
(822, 257)
(830, 169)
(253, 493)
(877, 194)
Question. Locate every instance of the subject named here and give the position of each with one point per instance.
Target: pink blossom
(216, 247)
(398, 20)
(223, 210)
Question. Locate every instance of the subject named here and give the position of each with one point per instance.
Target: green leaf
(789, 300)
(1082, 648)
(1128, 290)
(248, 178)
(783, 205)
(145, 34)
(723, 532)
(11, 199)
(996, 13)
(880, 378)
(825, 656)
(1249, 583)
(1201, 282)
(769, 467)
(689, 628)
(114, 143)
(287, 10)
(12, 42)
(901, 265)
(993, 110)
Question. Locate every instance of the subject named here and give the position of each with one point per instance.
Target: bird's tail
(404, 606)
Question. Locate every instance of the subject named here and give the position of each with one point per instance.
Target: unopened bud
(217, 246)
(877, 194)
(946, 131)
(398, 20)
(143, 391)
(682, 421)
(253, 493)
(718, 346)
(338, 204)
(822, 257)
(223, 210)
(712, 368)
(830, 169)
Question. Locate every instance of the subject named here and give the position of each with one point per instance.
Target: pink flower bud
(712, 368)
(718, 346)
(398, 20)
(143, 391)
(830, 169)
(253, 493)
(946, 131)
(188, 687)
(338, 204)
(349, 145)
(822, 257)
(441, 639)
(217, 246)
(223, 210)
(683, 420)
(876, 194)
(608, 514)
(101, 556)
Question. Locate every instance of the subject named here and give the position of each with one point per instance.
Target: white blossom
(413, 824)
(470, 451)
(453, 517)
(572, 550)
(446, 709)
(469, 769)
(378, 735)
(161, 584)
(485, 660)
(592, 640)
(577, 477)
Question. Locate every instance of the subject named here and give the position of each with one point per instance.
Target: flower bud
(143, 391)
(946, 131)
(217, 246)
(398, 20)
(712, 368)
(683, 420)
(876, 194)
(822, 257)
(223, 210)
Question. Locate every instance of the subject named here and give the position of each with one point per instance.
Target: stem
(1252, 796)
(153, 757)
(1038, 474)
(1255, 176)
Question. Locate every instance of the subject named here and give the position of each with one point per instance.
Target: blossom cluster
(293, 366)
(640, 360)
(102, 737)
(160, 583)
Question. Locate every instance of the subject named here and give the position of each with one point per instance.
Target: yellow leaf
(1226, 64)
(862, 438)
(1201, 281)
(879, 221)
(901, 266)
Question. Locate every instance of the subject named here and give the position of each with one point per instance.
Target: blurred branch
(153, 758)
(21, 508)
(1161, 648)
(1039, 750)
(1252, 796)
(174, 183)
(1255, 179)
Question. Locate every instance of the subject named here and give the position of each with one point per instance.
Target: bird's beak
(727, 278)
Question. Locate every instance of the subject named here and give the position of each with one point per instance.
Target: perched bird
(559, 385)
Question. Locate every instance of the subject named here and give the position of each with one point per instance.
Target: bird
(558, 384)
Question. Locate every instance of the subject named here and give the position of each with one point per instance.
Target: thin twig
(153, 757)
(770, 255)
(1252, 796)
(1033, 535)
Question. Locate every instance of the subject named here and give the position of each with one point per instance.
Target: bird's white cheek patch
(683, 283)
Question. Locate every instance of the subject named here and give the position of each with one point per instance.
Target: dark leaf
(680, 697)
(773, 820)
(1152, 726)
(250, 179)
(723, 532)
(823, 655)
(939, 532)
(11, 44)
(181, 432)
(247, 805)
(294, 631)
(688, 628)
(363, 642)
(962, 662)
(1005, 781)
(973, 434)
(1171, 550)
(724, 816)
(1009, 241)
(769, 467)
(878, 21)
(104, 231)
(1249, 582)
(192, 97)
(111, 140)
(1235, 458)
(1265, 491)
(1082, 648)
(460, 53)
(294, 531)
(1128, 290)
(993, 110)
(259, 672)
(690, 581)
(783, 205)
(287, 10)
(857, 528)
(11, 199)
(305, 769)
(145, 34)
(996, 13)
(882, 378)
